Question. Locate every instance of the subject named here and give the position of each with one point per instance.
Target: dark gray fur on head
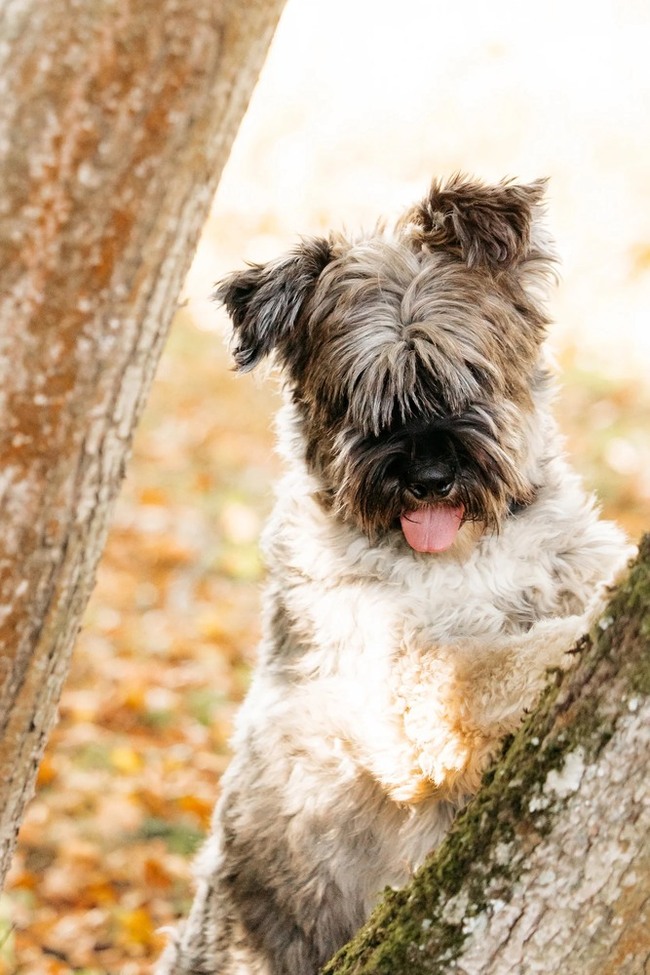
(428, 326)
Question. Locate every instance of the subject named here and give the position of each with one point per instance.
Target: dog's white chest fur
(418, 665)
(388, 679)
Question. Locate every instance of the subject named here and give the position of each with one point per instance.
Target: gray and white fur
(431, 555)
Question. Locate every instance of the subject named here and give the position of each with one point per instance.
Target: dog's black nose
(433, 480)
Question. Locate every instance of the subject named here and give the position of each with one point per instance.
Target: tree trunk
(116, 119)
(548, 869)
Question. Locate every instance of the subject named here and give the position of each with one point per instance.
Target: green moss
(639, 605)
(180, 837)
(410, 931)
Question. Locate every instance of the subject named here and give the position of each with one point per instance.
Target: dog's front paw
(458, 702)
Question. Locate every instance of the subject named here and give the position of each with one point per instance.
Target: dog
(431, 556)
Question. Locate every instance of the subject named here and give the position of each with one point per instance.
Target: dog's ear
(266, 300)
(487, 226)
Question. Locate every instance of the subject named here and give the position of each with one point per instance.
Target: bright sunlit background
(361, 102)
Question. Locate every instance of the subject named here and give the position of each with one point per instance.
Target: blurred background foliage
(359, 105)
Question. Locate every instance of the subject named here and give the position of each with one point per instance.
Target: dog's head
(412, 358)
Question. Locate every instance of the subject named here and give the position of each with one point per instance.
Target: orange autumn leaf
(153, 496)
(24, 880)
(100, 892)
(46, 772)
(137, 929)
(201, 808)
(155, 875)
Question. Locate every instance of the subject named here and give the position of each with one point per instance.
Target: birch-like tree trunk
(548, 869)
(116, 118)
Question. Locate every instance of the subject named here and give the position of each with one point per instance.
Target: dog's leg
(282, 879)
(205, 945)
(212, 941)
(464, 699)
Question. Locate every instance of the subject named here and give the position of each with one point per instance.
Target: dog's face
(412, 359)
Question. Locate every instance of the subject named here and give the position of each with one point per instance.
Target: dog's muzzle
(429, 477)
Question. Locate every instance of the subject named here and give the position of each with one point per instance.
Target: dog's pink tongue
(431, 529)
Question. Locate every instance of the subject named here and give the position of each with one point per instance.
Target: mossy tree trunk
(548, 869)
(116, 119)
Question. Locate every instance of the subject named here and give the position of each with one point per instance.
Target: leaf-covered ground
(132, 769)
(131, 772)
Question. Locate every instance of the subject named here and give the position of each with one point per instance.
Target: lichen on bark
(532, 806)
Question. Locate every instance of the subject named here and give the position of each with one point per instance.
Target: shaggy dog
(431, 556)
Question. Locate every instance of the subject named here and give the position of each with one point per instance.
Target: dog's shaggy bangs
(395, 335)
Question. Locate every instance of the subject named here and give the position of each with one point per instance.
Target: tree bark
(116, 119)
(548, 869)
